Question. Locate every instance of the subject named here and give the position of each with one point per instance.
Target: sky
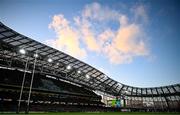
(135, 42)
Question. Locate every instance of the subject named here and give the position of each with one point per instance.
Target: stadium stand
(57, 88)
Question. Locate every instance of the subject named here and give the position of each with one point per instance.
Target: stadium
(36, 77)
(89, 57)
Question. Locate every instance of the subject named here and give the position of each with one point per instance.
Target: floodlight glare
(78, 71)
(22, 51)
(126, 91)
(50, 60)
(87, 76)
(68, 67)
(36, 55)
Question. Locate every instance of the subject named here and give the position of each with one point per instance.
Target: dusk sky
(135, 42)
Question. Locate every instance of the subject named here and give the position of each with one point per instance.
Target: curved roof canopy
(53, 62)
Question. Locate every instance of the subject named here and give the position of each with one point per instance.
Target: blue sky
(134, 42)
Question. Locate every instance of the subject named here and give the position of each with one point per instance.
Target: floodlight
(105, 76)
(22, 51)
(68, 67)
(87, 76)
(49, 60)
(126, 91)
(78, 71)
(36, 55)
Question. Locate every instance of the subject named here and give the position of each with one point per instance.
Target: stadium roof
(66, 67)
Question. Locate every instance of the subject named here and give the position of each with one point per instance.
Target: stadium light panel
(87, 76)
(36, 55)
(105, 76)
(78, 71)
(126, 91)
(22, 51)
(68, 67)
(50, 60)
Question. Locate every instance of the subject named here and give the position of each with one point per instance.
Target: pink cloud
(118, 46)
(126, 45)
(67, 38)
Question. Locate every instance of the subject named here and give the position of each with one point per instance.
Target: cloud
(119, 45)
(126, 45)
(67, 38)
(95, 11)
(140, 13)
(123, 20)
(105, 37)
(88, 36)
(128, 40)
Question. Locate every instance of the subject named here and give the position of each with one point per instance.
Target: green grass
(96, 113)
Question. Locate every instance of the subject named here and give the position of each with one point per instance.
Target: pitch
(98, 113)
